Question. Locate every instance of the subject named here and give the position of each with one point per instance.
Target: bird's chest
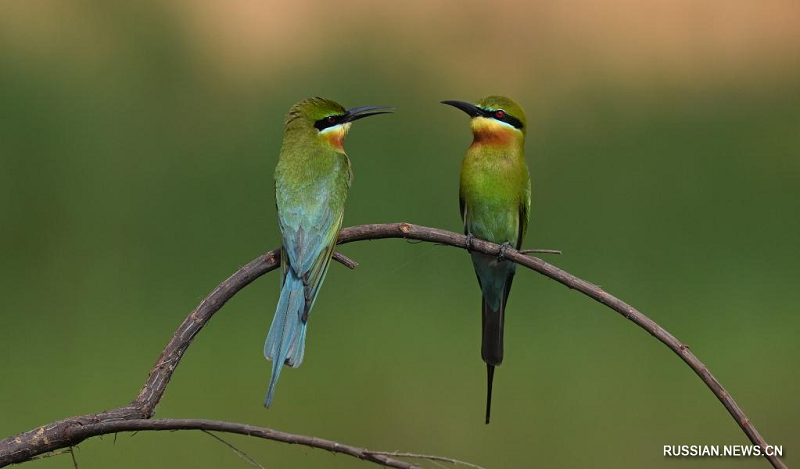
(490, 182)
(491, 195)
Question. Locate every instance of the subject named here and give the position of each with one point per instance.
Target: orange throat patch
(335, 136)
(490, 132)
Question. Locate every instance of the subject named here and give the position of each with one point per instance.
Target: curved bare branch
(137, 425)
(72, 431)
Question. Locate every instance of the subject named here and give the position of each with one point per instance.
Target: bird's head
(327, 120)
(495, 120)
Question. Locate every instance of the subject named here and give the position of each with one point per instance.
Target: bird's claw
(503, 248)
(468, 242)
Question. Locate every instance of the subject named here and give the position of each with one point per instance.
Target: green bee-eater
(495, 197)
(311, 183)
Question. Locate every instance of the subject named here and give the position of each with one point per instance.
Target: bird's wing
(522, 224)
(309, 229)
(309, 248)
(310, 216)
(316, 273)
(462, 207)
(524, 210)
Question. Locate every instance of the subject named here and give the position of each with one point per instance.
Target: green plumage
(311, 182)
(494, 198)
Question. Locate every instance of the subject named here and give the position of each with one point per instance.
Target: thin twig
(236, 450)
(71, 431)
(50, 454)
(138, 425)
(427, 457)
(540, 251)
(72, 453)
(344, 260)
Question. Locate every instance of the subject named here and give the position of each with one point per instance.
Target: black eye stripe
(324, 123)
(508, 118)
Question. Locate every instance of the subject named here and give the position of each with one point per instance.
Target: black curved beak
(471, 109)
(357, 113)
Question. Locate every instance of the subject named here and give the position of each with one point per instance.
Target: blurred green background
(138, 141)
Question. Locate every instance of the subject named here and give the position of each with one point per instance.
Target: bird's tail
(492, 345)
(286, 341)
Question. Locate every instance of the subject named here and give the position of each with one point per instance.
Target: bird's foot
(503, 248)
(468, 242)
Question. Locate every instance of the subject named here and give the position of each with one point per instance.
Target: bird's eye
(331, 119)
(499, 114)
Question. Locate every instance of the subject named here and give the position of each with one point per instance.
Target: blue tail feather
(286, 340)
